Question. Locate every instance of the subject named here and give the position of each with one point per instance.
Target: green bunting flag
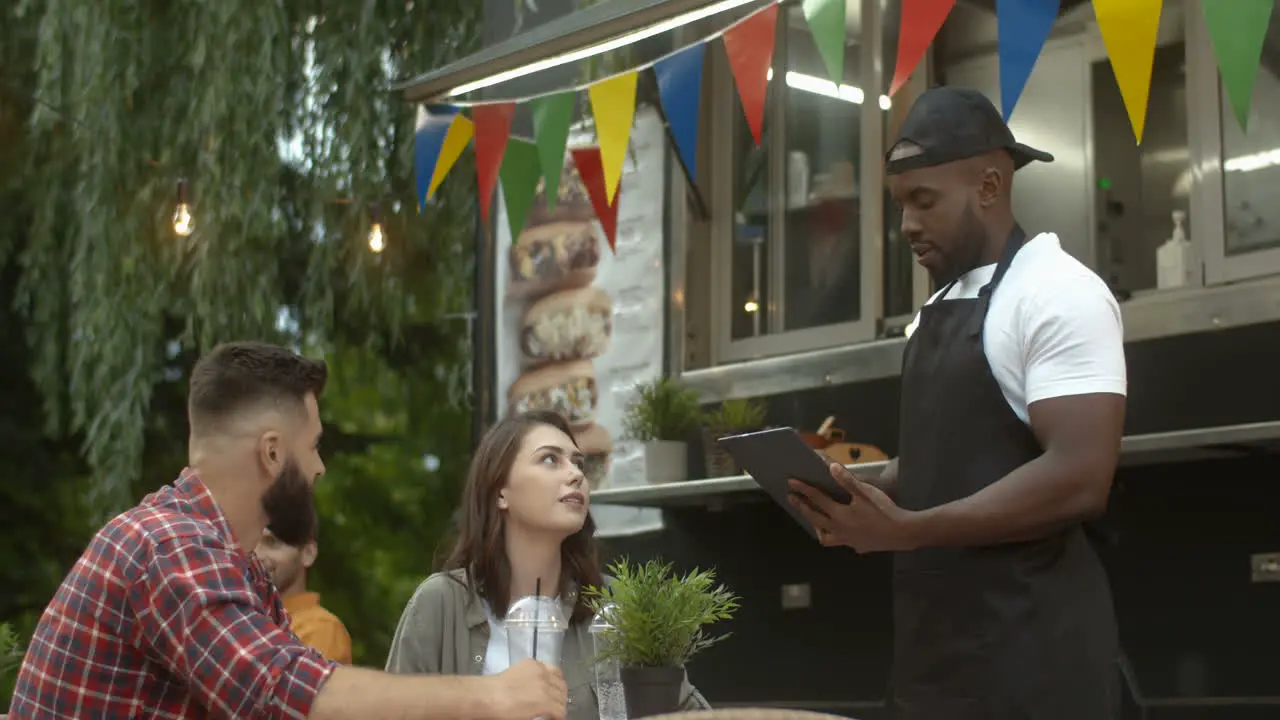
(826, 22)
(1238, 29)
(519, 182)
(552, 115)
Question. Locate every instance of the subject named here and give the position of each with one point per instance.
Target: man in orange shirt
(313, 625)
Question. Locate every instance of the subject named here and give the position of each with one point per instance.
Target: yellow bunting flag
(613, 102)
(455, 141)
(1129, 31)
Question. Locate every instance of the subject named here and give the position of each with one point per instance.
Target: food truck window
(1251, 181)
(815, 265)
(1249, 176)
(797, 255)
(906, 284)
(1138, 187)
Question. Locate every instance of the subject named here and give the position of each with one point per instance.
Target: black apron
(1014, 631)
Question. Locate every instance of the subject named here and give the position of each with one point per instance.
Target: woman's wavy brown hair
(480, 549)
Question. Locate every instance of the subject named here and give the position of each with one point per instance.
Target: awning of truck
(574, 31)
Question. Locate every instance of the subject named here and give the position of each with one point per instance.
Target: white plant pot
(666, 461)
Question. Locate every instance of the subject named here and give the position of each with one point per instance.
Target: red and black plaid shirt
(164, 616)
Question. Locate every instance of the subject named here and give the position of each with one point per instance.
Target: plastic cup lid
(543, 611)
(603, 619)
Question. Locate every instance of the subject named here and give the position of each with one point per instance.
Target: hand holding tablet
(869, 522)
(775, 456)
(831, 503)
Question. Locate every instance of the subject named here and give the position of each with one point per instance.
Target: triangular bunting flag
(827, 24)
(591, 170)
(493, 127)
(613, 103)
(437, 144)
(519, 182)
(680, 91)
(920, 22)
(1023, 26)
(749, 45)
(1238, 29)
(461, 130)
(552, 116)
(1128, 30)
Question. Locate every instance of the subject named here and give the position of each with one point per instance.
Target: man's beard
(290, 506)
(971, 239)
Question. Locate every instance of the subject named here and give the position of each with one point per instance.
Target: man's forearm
(1034, 501)
(355, 692)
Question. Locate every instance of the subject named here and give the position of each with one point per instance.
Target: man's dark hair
(235, 376)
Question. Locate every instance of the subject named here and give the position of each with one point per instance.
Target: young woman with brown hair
(525, 517)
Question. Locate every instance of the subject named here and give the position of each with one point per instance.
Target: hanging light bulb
(377, 240)
(183, 224)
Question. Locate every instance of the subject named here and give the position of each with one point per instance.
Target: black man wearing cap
(1012, 408)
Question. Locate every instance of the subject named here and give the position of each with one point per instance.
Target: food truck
(762, 260)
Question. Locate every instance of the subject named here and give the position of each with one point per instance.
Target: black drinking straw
(537, 606)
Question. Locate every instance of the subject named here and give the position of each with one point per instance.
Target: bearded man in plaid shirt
(168, 615)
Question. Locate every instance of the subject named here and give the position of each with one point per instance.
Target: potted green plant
(663, 415)
(659, 622)
(734, 416)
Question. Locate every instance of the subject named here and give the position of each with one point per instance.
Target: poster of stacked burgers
(580, 325)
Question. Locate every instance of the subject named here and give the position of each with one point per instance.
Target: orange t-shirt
(318, 627)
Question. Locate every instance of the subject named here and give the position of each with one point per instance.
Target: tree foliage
(279, 116)
(10, 653)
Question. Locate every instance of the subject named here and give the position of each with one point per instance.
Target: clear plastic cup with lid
(535, 629)
(610, 698)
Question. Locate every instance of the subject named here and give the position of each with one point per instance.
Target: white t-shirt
(497, 656)
(1053, 328)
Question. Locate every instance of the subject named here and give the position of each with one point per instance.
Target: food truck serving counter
(1150, 449)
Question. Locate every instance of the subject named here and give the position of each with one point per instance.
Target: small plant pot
(719, 462)
(666, 461)
(651, 691)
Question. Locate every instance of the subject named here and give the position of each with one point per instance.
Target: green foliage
(383, 509)
(11, 652)
(658, 618)
(104, 105)
(662, 410)
(737, 414)
(121, 99)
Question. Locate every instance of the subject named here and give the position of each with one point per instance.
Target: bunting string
(1237, 29)
(637, 69)
(444, 130)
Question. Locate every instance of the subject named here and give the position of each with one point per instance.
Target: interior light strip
(1253, 161)
(819, 86)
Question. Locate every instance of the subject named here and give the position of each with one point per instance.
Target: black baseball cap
(950, 123)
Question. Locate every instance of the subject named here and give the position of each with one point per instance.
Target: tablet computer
(772, 457)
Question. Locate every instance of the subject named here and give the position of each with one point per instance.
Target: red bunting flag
(591, 169)
(920, 23)
(493, 128)
(749, 45)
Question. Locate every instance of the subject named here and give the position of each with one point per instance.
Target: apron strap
(1017, 238)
